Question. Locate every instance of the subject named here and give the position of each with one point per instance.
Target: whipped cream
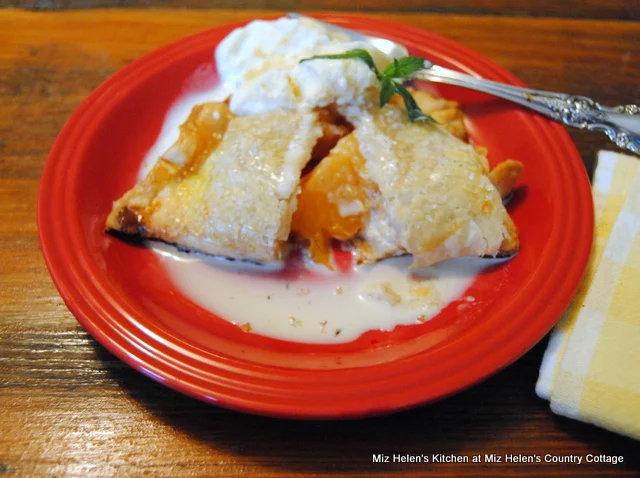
(260, 63)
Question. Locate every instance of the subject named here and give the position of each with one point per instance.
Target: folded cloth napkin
(591, 368)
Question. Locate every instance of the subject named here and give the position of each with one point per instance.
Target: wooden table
(68, 407)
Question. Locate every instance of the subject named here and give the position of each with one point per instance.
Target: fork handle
(620, 123)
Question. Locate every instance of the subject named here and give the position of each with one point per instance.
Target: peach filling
(332, 203)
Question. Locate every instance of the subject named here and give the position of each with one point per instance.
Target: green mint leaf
(403, 67)
(355, 54)
(413, 110)
(387, 90)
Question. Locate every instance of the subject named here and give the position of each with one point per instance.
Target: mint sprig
(403, 67)
(391, 79)
(355, 54)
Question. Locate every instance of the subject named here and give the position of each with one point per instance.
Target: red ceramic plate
(122, 296)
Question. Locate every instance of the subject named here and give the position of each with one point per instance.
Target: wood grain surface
(68, 407)
(614, 9)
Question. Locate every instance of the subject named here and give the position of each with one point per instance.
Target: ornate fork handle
(621, 123)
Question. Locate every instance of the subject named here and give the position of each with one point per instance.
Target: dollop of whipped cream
(260, 65)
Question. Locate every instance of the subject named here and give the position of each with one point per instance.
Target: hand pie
(247, 186)
(394, 187)
(232, 191)
(434, 193)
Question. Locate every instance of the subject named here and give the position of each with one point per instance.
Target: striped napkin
(591, 368)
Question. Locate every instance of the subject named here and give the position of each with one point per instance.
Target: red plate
(122, 296)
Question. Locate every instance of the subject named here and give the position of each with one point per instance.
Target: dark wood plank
(613, 9)
(68, 407)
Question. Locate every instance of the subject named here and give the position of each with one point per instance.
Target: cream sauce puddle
(301, 304)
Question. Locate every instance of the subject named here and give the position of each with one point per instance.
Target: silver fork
(620, 123)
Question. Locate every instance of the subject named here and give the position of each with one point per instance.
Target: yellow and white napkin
(591, 368)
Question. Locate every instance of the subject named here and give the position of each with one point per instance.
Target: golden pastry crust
(239, 202)
(199, 136)
(446, 112)
(436, 200)
(505, 176)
